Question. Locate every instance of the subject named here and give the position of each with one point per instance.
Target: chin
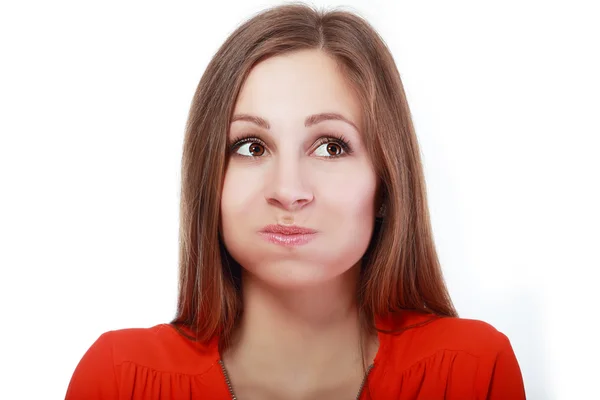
(290, 274)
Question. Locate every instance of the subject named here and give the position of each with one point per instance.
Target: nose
(287, 188)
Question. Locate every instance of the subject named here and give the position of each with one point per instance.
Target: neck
(301, 331)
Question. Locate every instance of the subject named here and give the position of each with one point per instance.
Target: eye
(249, 147)
(330, 149)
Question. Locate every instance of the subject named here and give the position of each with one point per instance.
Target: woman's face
(297, 159)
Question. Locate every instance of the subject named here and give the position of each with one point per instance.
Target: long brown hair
(400, 269)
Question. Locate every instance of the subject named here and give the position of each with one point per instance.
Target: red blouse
(437, 358)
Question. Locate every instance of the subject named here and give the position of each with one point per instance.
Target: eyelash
(340, 140)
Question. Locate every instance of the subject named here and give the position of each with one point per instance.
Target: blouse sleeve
(507, 381)
(94, 377)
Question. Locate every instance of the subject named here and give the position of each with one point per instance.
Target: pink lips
(288, 236)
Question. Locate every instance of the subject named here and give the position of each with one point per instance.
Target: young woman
(308, 267)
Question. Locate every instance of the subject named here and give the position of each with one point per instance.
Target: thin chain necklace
(234, 397)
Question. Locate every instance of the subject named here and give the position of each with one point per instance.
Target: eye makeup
(340, 140)
(337, 139)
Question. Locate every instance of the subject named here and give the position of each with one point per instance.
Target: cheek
(240, 189)
(350, 196)
(347, 217)
(238, 196)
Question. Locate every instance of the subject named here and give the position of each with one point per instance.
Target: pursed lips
(287, 235)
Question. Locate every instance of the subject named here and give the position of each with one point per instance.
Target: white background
(93, 101)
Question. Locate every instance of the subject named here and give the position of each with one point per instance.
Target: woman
(308, 267)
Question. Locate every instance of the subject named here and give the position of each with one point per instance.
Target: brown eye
(329, 148)
(250, 149)
(256, 149)
(333, 149)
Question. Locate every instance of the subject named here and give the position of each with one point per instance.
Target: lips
(288, 236)
(287, 230)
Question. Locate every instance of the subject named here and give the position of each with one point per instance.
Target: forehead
(297, 84)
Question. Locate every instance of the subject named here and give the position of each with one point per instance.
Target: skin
(299, 334)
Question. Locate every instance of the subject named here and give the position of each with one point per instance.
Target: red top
(439, 358)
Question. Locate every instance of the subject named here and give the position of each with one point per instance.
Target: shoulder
(126, 354)
(443, 356)
(419, 336)
(468, 335)
(161, 347)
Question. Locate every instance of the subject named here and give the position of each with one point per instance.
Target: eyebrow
(309, 121)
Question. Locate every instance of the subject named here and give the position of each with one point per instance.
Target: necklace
(234, 397)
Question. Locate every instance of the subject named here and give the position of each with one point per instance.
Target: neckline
(387, 326)
(229, 384)
(384, 326)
